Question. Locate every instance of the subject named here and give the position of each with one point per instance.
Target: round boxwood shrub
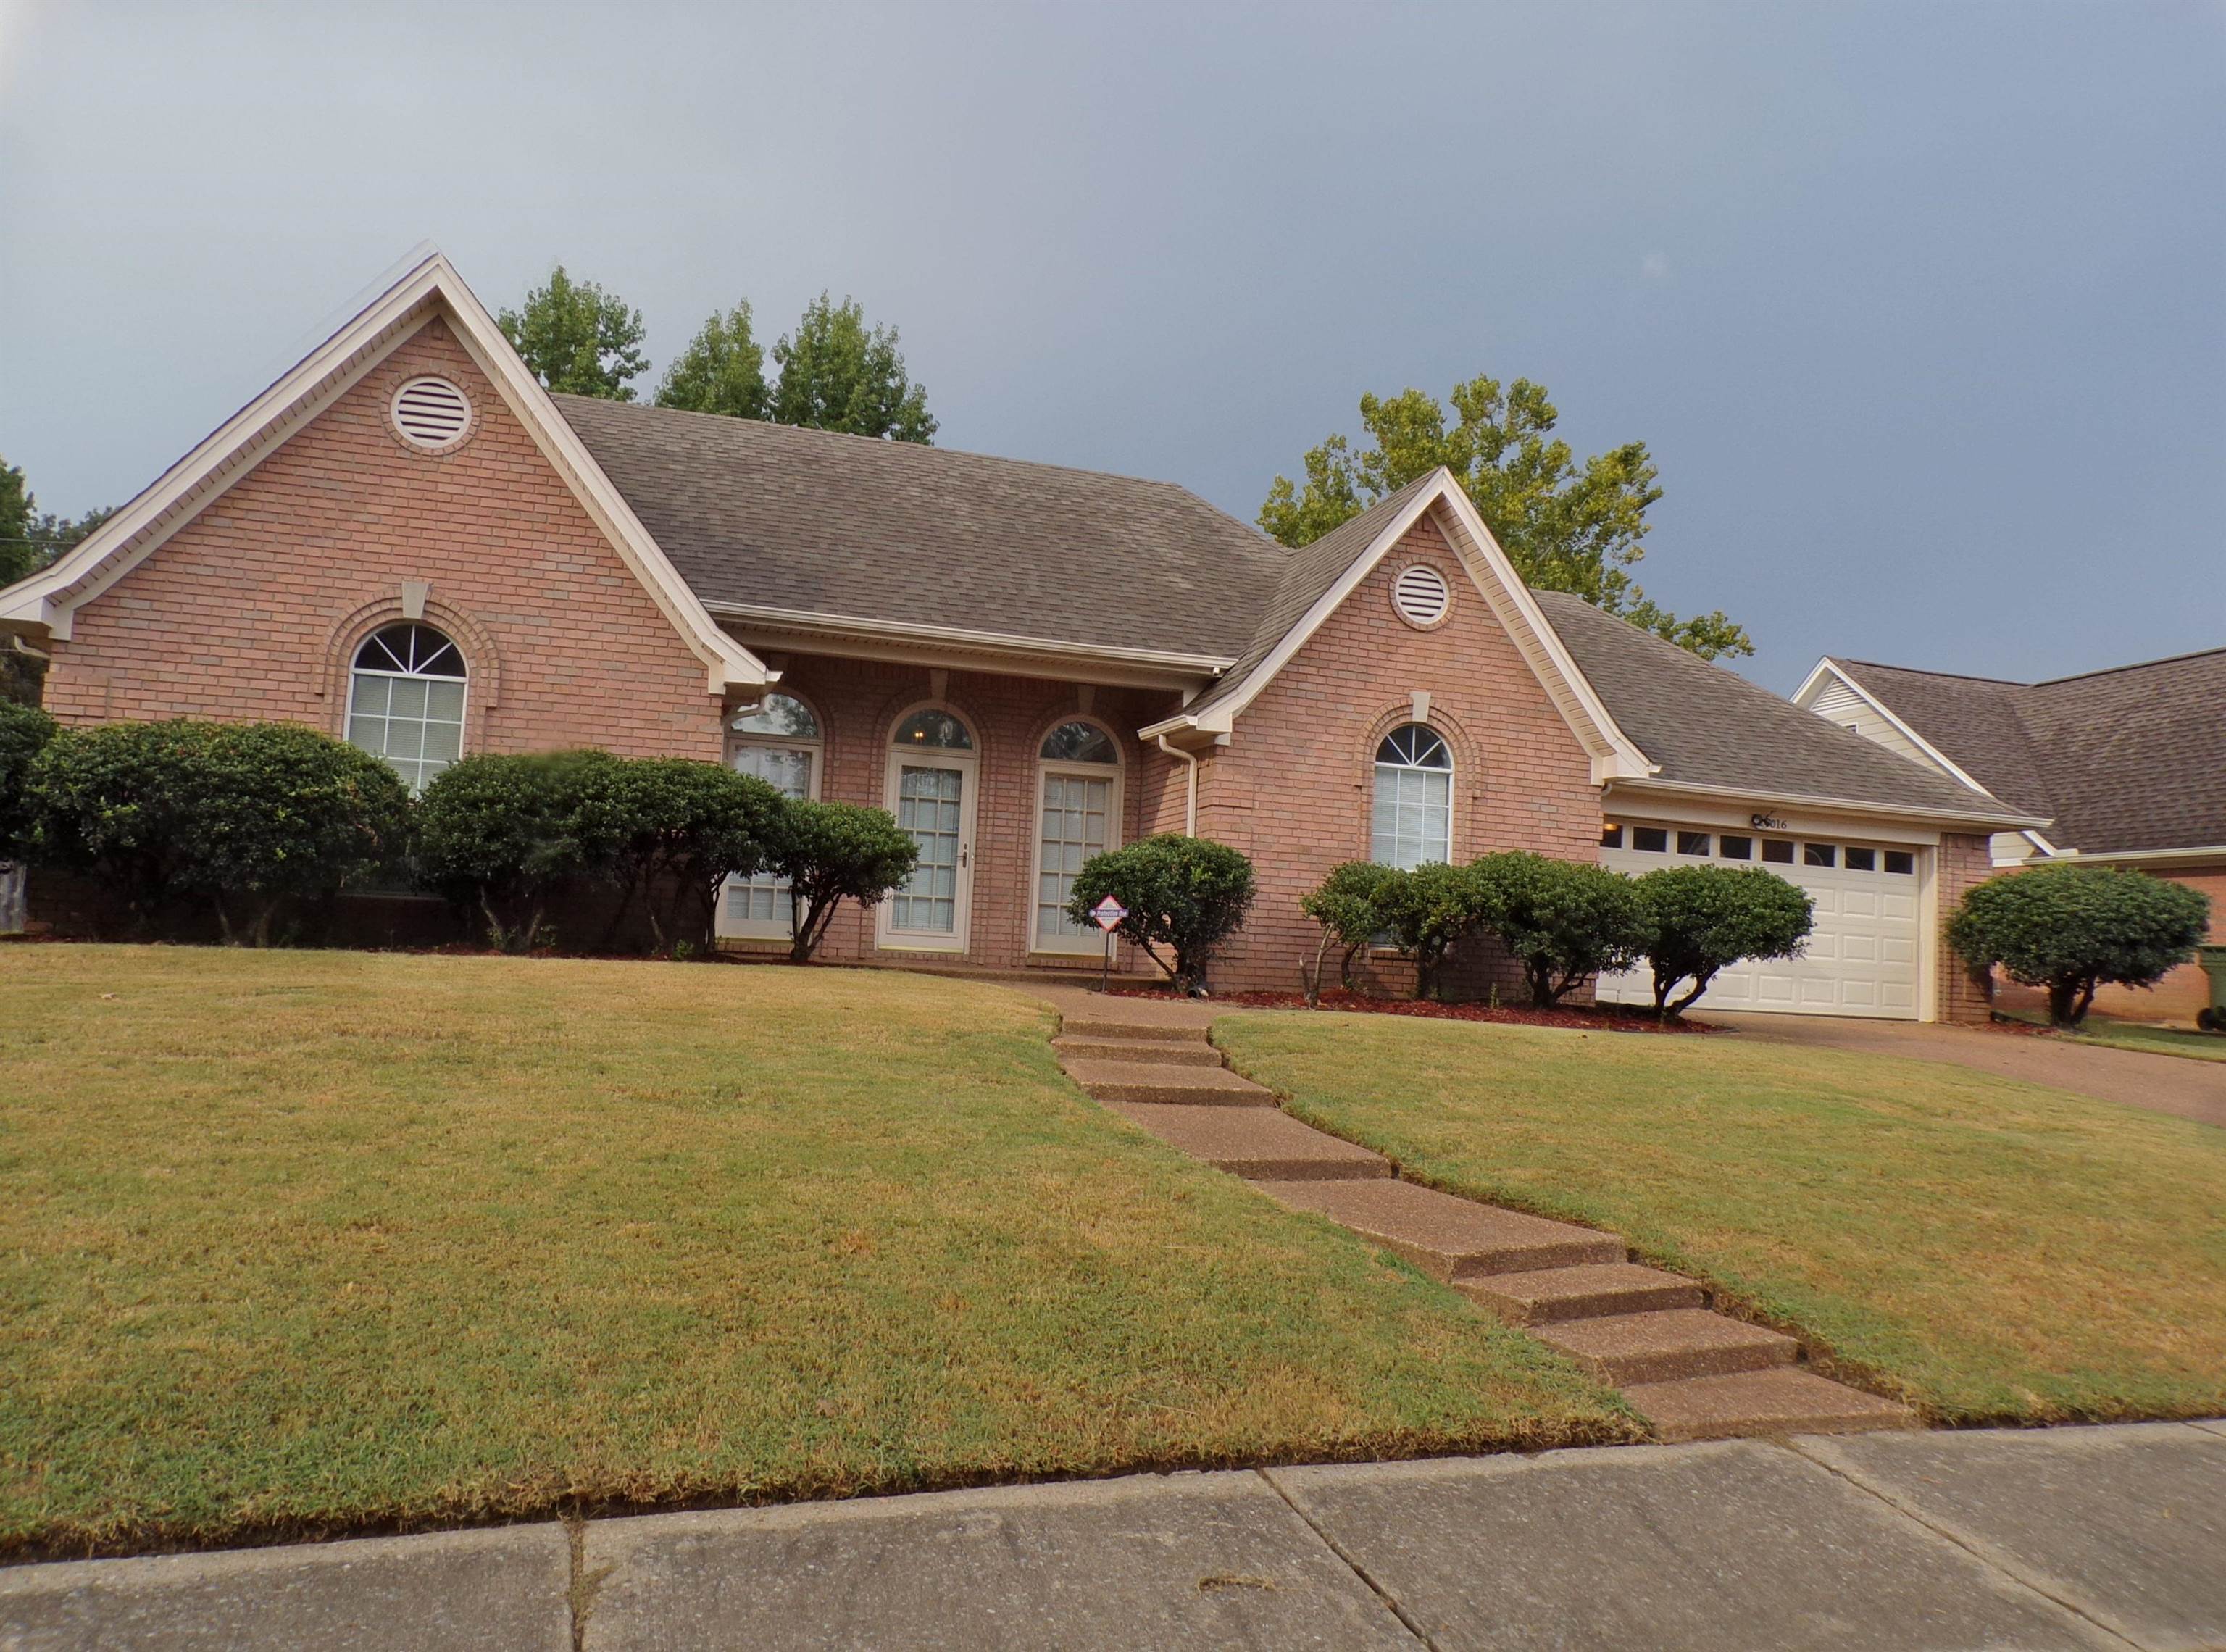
(2071, 929)
(1701, 918)
(1186, 897)
(830, 853)
(1564, 922)
(502, 835)
(249, 814)
(24, 732)
(678, 830)
(1425, 912)
(1346, 905)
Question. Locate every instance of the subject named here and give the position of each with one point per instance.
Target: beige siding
(1837, 702)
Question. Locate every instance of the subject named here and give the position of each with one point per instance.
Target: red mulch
(1600, 1018)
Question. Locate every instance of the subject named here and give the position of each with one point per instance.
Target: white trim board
(431, 287)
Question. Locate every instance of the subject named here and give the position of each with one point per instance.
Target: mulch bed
(1601, 1018)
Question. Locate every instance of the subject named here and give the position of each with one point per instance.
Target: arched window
(778, 741)
(1413, 798)
(939, 730)
(406, 701)
(1080, 795)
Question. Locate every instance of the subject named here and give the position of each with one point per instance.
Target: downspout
(1190, 805)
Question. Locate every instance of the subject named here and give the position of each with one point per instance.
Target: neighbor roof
(1705, 726)
(2129, 758)
(773, 518)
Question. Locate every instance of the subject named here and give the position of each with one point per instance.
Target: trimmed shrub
(1186, 895)
(24, 732)
(1701, 918)
(2071, 929)
(1346, 905)
(250, 814)
(1426, 910)
(678, 828)
(830, 853)
(1563, 922)
(503, 835)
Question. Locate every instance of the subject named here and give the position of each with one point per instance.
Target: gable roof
(1707, 728)
(2127, 760)
(429, 288)
(778, 522)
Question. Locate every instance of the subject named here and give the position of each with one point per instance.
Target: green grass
(1989, 1250)
(301, 1242)
(2141, 1035)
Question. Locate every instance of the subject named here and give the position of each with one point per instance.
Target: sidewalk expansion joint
(583, 1586)
(1390, 1601)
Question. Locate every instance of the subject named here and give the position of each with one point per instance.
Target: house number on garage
(1766, 822)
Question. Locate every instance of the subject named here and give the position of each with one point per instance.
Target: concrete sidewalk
(1924, 1542)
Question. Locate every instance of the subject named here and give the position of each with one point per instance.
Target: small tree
(690, 826)
(830, 853)
(249, 814)
(1427, 911)
(502, 834)
(1699, 919)
(1345, 906)
(24, 732)
(1563, 922)
(1186, 895)
(2071, 929)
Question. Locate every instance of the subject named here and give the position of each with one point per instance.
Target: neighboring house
(2127, 766)
(409, 543)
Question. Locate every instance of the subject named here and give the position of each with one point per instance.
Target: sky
(1921, 308)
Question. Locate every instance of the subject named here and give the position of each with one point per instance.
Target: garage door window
(1611, 837)
(1778, 851)
(1692, 843)
(1651, 839)
(1861, 860)
(1900, 862)
(1736, 849)
(1819, 854)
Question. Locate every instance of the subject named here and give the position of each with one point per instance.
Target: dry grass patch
(312, 1241)
(1989, 1250)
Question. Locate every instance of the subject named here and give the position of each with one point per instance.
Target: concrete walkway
(2073, 1538)
(2185, 1088)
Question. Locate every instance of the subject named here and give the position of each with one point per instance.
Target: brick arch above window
(1469, 786)
(481, 658)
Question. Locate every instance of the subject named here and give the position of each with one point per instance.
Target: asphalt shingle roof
(2128, 758)
(1706, 726)
(775, 516)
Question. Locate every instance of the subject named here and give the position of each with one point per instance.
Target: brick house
(407, 542)
(2127, 765)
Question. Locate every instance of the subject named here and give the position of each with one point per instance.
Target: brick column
(1965, 861)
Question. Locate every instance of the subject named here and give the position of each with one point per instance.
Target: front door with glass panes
(1078, 814)
(931, 792)
(778, 741)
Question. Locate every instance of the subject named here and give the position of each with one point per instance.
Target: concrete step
(1145, 1081)
(1782, 1401)
(1558, 1295)
(1667, 1346)
(1258, 1143)
(1073, 1047)
(1096, 1023)
(1452, 1238)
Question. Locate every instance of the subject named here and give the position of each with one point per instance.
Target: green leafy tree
(1186, 897)
(1426, 912)
(504, 835)
(24, 732)
(577, 338)
(1564, 526)
(30, 540)
(680, 828)
(250, 816)
(721, 371)
(1563, 922)
(1346, 905)
(1702, 918)
(832, 853)
(2072, 929)
(836, 375)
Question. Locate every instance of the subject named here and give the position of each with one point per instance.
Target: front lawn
(2144, 1035)
(1989, 1250)
(301, 1243)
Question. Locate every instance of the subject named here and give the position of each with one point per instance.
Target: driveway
(2188, 1089)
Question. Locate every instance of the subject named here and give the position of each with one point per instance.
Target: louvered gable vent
(1419, 595)
(431, 413)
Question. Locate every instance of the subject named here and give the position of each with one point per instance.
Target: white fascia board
(841, 624)
(231, 450)
(1828, 668)
(1990, 820)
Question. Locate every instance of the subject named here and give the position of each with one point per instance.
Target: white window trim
(1451, 772)
(1085, 945)
(776, 928)
(464, 716)
(886, 935)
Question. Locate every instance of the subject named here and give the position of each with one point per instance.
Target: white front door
(1079, 816)
(931, 795)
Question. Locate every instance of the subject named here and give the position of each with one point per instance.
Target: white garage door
(1862, 955)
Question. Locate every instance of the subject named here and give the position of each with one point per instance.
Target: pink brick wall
(1964, 862)
(252, 611)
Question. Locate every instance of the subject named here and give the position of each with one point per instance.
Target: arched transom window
(406, 701)
(1413, 798)
(778, 741)
(1080, 815)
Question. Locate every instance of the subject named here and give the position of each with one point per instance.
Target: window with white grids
(1079, 814)
(406, 701)
(778, 741)
(1413, 798)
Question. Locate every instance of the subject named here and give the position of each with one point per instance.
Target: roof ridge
(1919, 671)
(2136, 666)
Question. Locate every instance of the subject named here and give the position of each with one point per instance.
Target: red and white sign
(1109, 913)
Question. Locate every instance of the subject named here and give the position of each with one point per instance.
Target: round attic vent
(431, 414)
(1420, 596)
